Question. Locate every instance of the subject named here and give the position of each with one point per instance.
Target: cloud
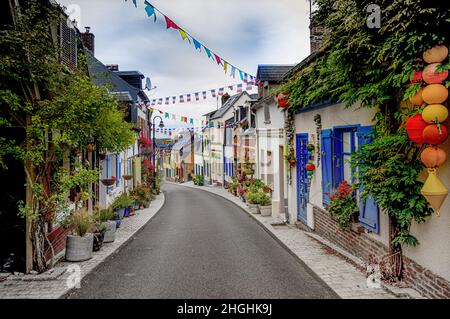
(245, 33)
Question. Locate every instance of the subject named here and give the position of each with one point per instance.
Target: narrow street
(202, 246)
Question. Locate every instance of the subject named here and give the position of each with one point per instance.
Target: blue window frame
(327, 165)
(344, 144)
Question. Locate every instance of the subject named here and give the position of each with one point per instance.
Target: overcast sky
(244, 32)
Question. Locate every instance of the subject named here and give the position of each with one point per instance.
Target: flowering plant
(343, 205)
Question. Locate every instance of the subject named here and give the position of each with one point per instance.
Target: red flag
(170, 23)
(219, 61)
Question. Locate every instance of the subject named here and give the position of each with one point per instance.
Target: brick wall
(58, 239)
(362, 246)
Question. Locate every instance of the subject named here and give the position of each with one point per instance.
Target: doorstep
(341, 271)
(54, 283)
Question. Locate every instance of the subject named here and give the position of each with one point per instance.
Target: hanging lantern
(417, 98)
(283, 100)
(430, 75)
(435, 134)
(436, 54)
(434, 191)
(435, 113)
(310, 167)
(414, 127)
(435, 94)
(433, 157)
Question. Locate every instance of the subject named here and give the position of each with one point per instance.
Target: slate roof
(228, 104)
(101, 75)
(273, 72)
(130, 73)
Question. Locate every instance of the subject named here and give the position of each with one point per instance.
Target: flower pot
(98, 241)
(127, 177)
(118, 221)
(127, 212)
(110, 234)
(265, 210)
(136, 205)
(253, 208)
(108, 181)
(147, 204)
(120, 212)
(79, 248)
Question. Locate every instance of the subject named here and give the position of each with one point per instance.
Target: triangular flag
(174, 98)
(231, 87)
(166, 115)
(239, 88)
(204, 94)
(188, 98)
(196, 96)
(174, 117)
(221, 91)
(225, 66)
(191, 121)
(208, 52)
(183, 35)
(213, 93)
(197, 44)
(150, 9)
(170, 23)
(233, 71)
(181, 99)
(241, 74)
(218, 60)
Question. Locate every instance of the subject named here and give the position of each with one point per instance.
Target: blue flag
(208, 52)
(197, 44)
(150, 10)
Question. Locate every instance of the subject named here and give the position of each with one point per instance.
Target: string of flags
(202, 95)
(181, 118)
(172, 131)
(228, 68)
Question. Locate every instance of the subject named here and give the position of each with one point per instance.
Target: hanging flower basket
(109, 181)
(283, 100)
(127, 177)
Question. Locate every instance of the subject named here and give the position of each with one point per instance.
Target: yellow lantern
(434, 191)
(437, 53)
(435, 94)
(417, 98)
(435, 113)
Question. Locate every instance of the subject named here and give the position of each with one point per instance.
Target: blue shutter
(368, 210)
(118, 171)
(326, 166)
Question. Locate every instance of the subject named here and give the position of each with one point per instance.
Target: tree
(59, 110)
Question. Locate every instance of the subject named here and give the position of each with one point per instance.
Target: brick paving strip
(327, 260)
(54, 283)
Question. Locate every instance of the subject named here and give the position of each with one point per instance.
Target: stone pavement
(343, 277)
(61, 277)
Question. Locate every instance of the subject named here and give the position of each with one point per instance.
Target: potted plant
(79, 244)
(265, 204)
(99, 236)
(104, 218)
(109, 181)
(117, 219)
(199, 180)
(143, 196)
(121, 203)
(267, 188)
(252, 202)
(343, 205)
(127, 177)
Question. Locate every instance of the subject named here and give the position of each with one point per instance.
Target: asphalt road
(202, 246)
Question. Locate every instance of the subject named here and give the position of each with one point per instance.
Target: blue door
(302, 176)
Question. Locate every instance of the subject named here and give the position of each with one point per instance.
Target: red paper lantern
(282, 100)
(434, 135)
(430, 75)
(310, 167)
(417, 77)
(414, 127)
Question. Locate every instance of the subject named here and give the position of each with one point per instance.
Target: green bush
(199, 180)
(264, 199)
(103, 215)
(122, 201)
(81, 221)
(253, 198)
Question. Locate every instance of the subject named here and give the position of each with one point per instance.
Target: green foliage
(81, 221)
(259, 198)
(199, 180)
(122, 201)
(103, 215)
(343, 205)
(141, 194)
(389, 167)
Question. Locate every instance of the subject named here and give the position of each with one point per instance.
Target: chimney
(225, 98)
(88, 39)
(113, 67)
(316, 32)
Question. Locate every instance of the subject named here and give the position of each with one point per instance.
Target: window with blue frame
(344, 144)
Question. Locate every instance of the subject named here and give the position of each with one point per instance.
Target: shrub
(81, 221)
(343, 205)
(103, 215)
(199, 180)
(264, 199)
(253, 198)
(122, 201)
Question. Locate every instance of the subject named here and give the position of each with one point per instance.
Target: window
(344, 142)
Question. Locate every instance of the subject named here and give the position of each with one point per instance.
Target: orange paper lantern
(417, 98)
(430, 75)
(436, 54)
(435, 113)
(432, 134)
(435, 94)
(433, 156)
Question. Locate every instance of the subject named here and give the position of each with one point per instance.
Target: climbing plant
(56, 110)
(372, 68)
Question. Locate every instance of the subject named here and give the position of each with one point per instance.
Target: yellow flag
(225, 66)
(183, 34)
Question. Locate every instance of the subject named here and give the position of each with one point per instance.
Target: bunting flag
(174, 117)
(186, 98)
(134, 2)
(166, 115)
(160, 101)
(151, 11)
(241, 74)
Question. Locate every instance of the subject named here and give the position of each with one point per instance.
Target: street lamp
(161, 125)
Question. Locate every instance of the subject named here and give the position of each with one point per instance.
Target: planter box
(79, 248)
(266, 210)
(110, 234)
(253, 208)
